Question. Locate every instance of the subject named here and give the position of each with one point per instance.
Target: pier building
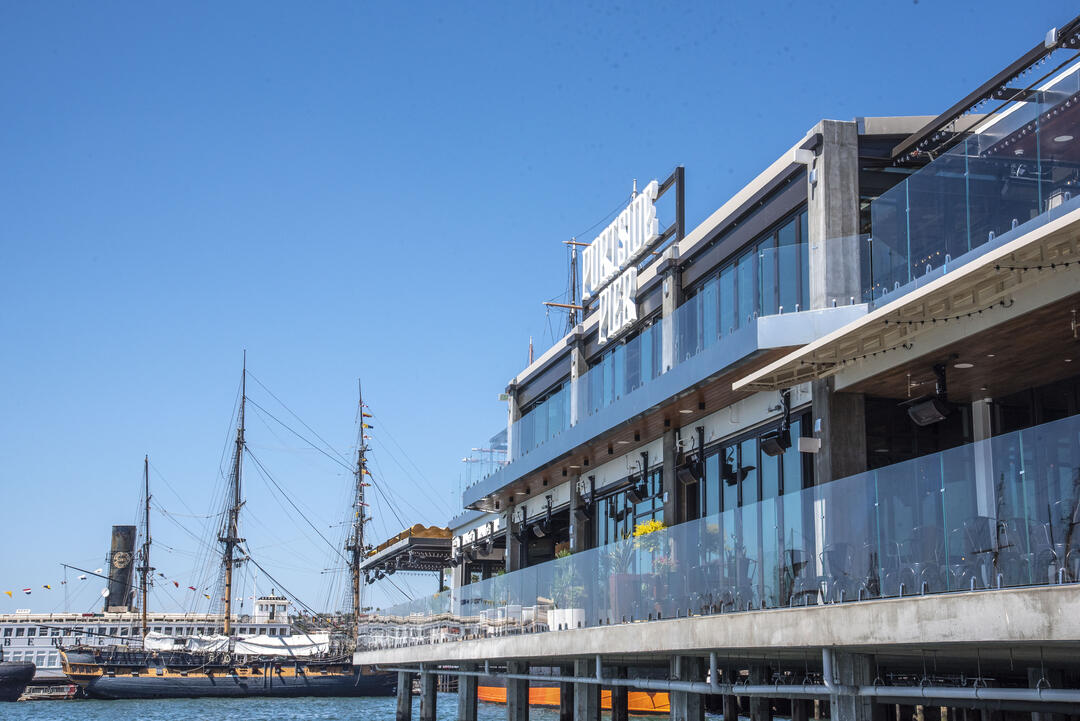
(818, 456)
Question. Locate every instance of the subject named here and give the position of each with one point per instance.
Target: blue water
(247, 709)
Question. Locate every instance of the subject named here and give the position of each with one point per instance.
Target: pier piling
(404, 696)
(467, 688)
(517, 692)
(586, 695)
(429, 696)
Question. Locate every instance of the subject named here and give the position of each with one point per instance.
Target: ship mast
(145, 570)
(356, 541)
(230, 538)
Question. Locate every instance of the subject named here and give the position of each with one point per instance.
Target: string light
(946, 319)
(1049, 266)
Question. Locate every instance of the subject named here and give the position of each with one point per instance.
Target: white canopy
(154, 641)
(298, 645)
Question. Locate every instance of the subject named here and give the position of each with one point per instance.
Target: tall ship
(223, 662)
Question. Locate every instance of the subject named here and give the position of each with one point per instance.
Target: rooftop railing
(999, 513)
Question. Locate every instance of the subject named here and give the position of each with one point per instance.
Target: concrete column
(578, 368)
(429, 696)
(579, 529)
(801, 709)
(404, 696)
(671, 491)
(833, 215)
(566, 695)
(671, 291)
(687, 706)
(517, 693)
(852, 669)
(620, 697)
(513, 414)
(586, 695)
(513, 545)
(466, 694)
(760, 706)
(985, 493)
(843, 432)
(731, 709)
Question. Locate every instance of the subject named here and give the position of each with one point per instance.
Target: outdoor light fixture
(634, 494)
(581, 515)
(685, 476)
(1063, 138)
(775, 442)
(928, 411)
(963, 366)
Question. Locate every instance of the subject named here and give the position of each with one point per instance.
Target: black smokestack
(121, 566)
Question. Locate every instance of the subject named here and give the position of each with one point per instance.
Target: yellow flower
(644, 529)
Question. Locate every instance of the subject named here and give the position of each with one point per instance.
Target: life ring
(226, 658)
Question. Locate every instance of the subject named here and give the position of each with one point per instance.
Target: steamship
(223, 662)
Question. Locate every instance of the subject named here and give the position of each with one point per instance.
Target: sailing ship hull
(165, 675)
(13, 679)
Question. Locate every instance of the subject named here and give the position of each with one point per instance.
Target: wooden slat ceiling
(975, 287)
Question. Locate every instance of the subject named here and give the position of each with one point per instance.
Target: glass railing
(543, 422)
(627, 367)
(999, 513)
(1019, 167)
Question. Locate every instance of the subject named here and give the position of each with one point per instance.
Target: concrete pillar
(760, 706)
(833, 216)
(578, 368)
(586, 695)
(801, 709)
(579, 528)
(671, 494)
(517, 693)
(429, 696)
(985, 493)
(513, 545)
(466, 694)
(620, 697)
(671, 291)
(513, 415)
(731, 708)
(566, 695)
(404, 696)
(687, 706)
(852, 669)
(843, 432)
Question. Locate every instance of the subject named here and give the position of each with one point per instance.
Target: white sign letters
(621, 243)
(617, 250)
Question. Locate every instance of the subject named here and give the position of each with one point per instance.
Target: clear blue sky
(358, 190)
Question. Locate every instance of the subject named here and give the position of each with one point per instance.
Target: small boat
(50, 692)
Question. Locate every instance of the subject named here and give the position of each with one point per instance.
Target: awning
(980, 286)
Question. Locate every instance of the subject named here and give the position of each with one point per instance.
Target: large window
(769, 276)
(738, 473)
(618, 514)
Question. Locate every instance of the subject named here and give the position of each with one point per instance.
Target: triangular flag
(82, 576)
(365, 425)
(98, 571)
(207, 596)
(47, 586)
(191, 587)
(367, 415)
(8, 593)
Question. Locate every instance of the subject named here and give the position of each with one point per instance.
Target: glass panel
(767, 274)
(747, 293)
(729, 316)
(1002, 512)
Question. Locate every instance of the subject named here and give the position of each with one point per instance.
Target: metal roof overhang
(412, 553)
(987, 279)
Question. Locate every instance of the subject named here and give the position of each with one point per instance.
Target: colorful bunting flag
(207, 596)
(8, 593)
(191, 588)
(47, 587)
(367, 415)
(82, 576)
(26, 591)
